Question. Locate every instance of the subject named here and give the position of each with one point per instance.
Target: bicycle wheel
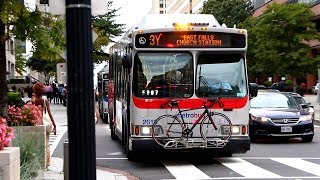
(167, 130)
(221, 134)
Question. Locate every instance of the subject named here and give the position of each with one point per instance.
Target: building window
(44, 1)
(161, 3)
(161, 12)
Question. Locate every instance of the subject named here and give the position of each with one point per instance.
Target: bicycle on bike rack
(172, 131)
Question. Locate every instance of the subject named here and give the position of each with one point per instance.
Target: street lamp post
(81, 126)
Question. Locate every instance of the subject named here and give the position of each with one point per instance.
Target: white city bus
(188, 58)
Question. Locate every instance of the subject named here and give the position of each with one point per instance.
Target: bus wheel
(131, 155)
(105, 119)
(226, 154)
(113, 132)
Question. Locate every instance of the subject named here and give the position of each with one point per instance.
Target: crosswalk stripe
(300, 164)
(184, 170)
(246, 168)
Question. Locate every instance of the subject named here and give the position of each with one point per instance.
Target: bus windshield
(220, 75)
(163, 74)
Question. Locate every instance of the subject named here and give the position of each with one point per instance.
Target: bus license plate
(286, 129)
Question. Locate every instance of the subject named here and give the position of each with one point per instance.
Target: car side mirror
(304, 106)
(253, 90)
(127, 60)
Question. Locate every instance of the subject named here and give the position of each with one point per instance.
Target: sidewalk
(55, 172)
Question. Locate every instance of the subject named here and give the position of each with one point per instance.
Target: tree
(230, 12)
(106, 28)
(20, 61)
(43, 66)
(43, 30)
(279, 40)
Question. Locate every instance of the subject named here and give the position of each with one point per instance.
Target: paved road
(267, 159)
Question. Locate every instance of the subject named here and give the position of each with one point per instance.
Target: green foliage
(14, 98)
(230, 12)
(32, 154)
(267, 83)
(106, 29)
(288, 83)
(20, 61)
(278, 40)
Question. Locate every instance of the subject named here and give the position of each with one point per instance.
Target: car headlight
(305, 118)
(261, 119)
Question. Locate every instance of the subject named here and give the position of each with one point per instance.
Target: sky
(130, 13)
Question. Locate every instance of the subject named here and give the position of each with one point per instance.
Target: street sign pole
(81, 127)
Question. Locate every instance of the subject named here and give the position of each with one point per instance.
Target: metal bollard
(66, 160)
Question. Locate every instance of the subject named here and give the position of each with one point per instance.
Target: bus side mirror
(127, 60)
(253, 89)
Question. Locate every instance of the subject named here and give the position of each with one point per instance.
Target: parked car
(276, 114)
(303, 103)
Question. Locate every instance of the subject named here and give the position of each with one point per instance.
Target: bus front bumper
(239, 145)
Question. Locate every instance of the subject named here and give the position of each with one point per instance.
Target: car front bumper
(267, 129)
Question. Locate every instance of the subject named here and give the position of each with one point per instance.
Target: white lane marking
(300, 164)
(184, 170)
(246, 168)
(316, 126)
(120, 158)
(297, 177)
(60, 133)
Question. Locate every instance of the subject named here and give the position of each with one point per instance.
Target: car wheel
(306, 139)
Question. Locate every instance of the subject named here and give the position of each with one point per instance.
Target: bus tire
(226, 154)
(131, 155)
(105, 119)
(113, 132)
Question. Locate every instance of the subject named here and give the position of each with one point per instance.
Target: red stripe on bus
(229, 103)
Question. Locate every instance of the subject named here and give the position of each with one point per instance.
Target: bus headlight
(235, 130)
(146, 130)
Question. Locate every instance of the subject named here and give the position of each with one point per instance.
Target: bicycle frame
(206, 111)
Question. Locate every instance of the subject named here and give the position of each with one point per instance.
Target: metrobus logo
(190, 115)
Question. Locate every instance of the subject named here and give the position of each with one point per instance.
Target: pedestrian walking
(39, 99)
(49, 92)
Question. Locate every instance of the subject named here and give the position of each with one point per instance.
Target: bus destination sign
(190, 39)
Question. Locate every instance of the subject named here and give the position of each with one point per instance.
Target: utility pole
(80, 107)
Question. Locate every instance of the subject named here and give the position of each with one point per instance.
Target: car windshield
(220, 75)
(273, 100)
(166, 74)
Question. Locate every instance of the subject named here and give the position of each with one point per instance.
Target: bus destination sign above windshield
(190, 39)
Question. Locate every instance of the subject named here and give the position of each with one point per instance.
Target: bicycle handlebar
(175, 103)
(213, 101)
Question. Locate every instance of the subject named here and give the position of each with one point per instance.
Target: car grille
(284, 121)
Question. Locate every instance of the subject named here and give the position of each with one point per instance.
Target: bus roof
(167, 20)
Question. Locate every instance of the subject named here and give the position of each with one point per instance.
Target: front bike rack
(188, 144)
